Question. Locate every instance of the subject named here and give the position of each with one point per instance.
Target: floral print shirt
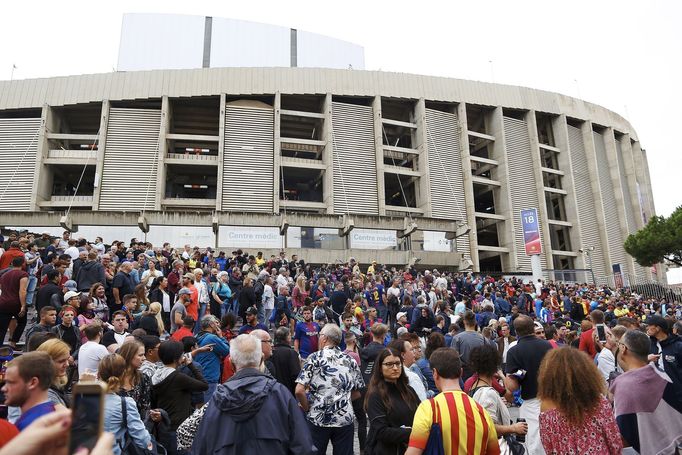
(331, 376)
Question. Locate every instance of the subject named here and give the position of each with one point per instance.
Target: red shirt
(181, 333)
(587, 343)
(193, 307)
(7, 256)
(10, 283)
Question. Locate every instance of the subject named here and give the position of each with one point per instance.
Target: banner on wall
(250, 237)
(372, 239)
(531, 231)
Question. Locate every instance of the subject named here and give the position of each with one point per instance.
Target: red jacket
(8, 256)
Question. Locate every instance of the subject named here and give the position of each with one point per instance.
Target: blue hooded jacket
(253, 413)
(210, 361)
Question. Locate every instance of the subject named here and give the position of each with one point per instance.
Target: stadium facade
(328, 163)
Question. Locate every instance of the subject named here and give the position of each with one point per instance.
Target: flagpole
(11, 77)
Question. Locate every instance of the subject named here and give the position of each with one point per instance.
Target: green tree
(660, 240)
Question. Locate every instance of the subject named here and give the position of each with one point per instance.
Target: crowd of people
(204, 352)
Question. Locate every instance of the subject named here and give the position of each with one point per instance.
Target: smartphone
(88, 415)
(601, 333)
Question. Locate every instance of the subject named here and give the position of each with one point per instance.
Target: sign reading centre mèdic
(531, 231)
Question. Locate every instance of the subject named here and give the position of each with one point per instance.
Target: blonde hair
(56, 348)
(300, 283)
(155, 310)
(111, 369)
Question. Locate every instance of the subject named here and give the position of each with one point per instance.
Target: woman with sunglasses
(390, 404)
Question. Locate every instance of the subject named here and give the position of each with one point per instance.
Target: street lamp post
(589, 251)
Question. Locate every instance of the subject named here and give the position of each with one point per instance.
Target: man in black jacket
(89, 273)
(287, 361)
(46, 291)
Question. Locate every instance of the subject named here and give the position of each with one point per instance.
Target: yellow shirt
(466, 426)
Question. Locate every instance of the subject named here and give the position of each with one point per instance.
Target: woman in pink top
(575, 417)
(299, 293)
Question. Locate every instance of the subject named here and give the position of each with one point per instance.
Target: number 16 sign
(531, 231)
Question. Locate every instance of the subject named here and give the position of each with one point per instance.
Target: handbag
(514, 446)
(434, 445)
(128, 446)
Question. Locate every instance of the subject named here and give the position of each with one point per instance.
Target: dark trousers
(341, 438)
(362, 420)
(5, 319)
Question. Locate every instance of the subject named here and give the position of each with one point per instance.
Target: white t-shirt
(415, 383)
(268, 298)
(89, 356)
(73, 252)
(149, 277)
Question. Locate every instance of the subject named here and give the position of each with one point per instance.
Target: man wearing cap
(48, 319)
(666, 349)
(252, 321)
(179, 310)
(401, 322)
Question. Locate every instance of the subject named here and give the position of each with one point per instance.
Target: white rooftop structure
(171, 41)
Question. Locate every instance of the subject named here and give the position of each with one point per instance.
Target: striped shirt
(466, 426)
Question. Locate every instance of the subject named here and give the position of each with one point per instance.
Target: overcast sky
(623, 55)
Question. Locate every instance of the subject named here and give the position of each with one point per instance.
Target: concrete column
(379, 149)
(41, 189)
(328, 154)
(468, 185)
(614, 171)
(630, 176)
(539, 189)
(424, 187)
(101, 149)
(221, 157)
(590, 152)
(278, 153)
(503, 204)
(560, 130)
(166, 115)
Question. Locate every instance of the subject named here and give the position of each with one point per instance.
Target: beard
(17, 398)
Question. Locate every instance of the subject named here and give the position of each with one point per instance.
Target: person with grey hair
(254, 412)
(266, 345)
(286, 361)
(211, 335)
(329, 410)
(646, 404)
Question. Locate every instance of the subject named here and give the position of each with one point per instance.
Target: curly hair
(485, 359)
(571, 380)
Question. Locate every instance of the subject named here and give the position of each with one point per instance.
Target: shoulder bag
(128, 446)
(434, 445)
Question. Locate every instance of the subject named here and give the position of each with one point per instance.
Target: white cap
(400, 315)
(70, 295)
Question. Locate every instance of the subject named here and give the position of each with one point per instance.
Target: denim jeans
(340, 437)
(261, 313)
(30, 289)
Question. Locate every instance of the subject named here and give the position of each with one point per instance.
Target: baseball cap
(70, 295)
(71, 285)
(657, 320)
(252, 310)
(184, 291)
(189, 276)
(400, 315)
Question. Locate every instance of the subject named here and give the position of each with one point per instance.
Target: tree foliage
(658, 241)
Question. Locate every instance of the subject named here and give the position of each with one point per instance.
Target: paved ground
(514, 411)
